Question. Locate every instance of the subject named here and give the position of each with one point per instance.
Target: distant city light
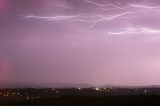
(97, 89)
(145, 91)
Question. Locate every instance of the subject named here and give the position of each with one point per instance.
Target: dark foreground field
(141, 100)
(80, 97)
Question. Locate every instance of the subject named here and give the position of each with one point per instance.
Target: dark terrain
(80, 97)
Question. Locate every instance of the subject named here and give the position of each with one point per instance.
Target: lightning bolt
(143, 6)
(128, 31)
(55, 18)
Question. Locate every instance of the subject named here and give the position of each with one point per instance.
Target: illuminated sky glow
(97, 42)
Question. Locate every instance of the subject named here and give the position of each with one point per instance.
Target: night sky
(95, 42)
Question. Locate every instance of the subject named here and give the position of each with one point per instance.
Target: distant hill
(65, 85)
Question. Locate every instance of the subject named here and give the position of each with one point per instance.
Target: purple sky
(80, 42)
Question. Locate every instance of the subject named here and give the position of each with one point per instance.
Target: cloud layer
(80, 41)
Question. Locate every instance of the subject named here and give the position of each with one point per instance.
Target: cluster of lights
(103, 89)
(18, 94)
(10, 94)
(115, 89)
(31, 98)
(55, 93)
(26, 95)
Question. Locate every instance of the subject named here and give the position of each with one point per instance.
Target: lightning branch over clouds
(116, 7)
(94, 19)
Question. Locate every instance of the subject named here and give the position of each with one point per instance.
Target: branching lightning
(94, 19)
(113, 6)
(84, 18)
